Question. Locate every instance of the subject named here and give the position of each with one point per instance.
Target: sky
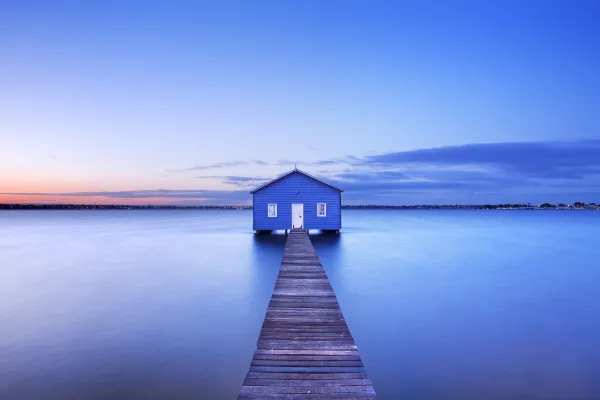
(400, 102)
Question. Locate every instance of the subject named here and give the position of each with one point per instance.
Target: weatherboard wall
(297, 188)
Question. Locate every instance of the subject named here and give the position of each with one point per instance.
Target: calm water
(169, 304)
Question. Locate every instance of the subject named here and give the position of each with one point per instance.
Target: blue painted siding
(297, 188)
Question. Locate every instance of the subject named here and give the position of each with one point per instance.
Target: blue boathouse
(297, 200)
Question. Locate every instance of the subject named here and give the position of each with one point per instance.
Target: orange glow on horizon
(58, 199)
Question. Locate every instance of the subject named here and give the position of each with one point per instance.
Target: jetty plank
(305, 349)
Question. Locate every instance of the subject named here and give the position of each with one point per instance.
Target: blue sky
(396, 102)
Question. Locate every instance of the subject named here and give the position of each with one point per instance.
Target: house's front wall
(297, 188)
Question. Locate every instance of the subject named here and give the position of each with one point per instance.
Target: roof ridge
(290, 172)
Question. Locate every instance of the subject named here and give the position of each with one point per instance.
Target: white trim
(269, 210)
(324, 210)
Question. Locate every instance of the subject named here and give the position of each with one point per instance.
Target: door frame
(301, 206)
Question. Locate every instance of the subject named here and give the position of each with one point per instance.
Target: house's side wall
(297, 188)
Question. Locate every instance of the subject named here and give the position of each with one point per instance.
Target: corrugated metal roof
(291, 172)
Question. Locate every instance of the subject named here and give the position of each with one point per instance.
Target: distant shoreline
(545, 206)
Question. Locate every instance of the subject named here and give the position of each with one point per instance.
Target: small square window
(272, 210)
(321, 209)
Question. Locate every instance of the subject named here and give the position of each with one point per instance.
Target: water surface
(168, 304)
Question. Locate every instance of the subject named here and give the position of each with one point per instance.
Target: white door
(297, 215)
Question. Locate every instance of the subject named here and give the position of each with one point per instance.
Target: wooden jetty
(305, 350)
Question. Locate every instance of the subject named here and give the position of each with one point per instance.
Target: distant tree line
(577, 204)
(508, 206)
(113, 207)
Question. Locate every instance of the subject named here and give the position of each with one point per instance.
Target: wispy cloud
(519, 171)
(325, 162)
(496, 172)
(200, 195)
(348, 160)
(557, 159)
(221, 165)
(240, 181)
(370, 175)
(283, 162)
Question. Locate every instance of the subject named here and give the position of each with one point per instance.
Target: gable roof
(289, 173)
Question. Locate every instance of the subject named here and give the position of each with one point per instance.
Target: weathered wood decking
(305, 350)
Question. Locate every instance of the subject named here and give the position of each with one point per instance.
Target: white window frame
(324, 210)
(269, 210)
